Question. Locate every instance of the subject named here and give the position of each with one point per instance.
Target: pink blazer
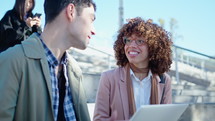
(112, 95)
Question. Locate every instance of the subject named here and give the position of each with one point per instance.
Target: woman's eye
(128, 40)
(141, 41)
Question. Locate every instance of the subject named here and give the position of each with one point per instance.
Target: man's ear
(70, 11)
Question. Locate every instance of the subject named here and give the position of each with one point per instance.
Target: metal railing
(200, 67)
(193, 63)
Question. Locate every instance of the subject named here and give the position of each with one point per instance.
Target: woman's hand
(33, 21)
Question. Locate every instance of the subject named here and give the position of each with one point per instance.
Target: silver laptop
(164, 112)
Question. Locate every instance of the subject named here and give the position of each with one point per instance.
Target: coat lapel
(46, 73)
(74, 85)
(33, 48)
(123, 92)
(74, 76)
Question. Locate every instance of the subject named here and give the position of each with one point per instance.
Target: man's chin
(83, 47)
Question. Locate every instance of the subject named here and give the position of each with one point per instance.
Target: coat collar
(33, 47)
(73, 65)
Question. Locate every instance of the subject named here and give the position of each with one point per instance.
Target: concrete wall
(199, 112)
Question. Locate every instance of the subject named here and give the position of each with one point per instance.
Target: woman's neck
(141, 76)
(140, 73)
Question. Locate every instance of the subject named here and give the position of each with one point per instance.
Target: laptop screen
(163, 112)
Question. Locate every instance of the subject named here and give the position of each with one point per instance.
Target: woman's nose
(133, 43)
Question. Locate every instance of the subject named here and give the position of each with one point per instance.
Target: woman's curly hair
(158, 41)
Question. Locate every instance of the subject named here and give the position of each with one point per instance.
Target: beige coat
(112, 95)
(25, 84)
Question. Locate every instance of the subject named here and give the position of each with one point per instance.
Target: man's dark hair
(19, 7)
(52, 8)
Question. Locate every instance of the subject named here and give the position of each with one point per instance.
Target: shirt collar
(146, 78)
(64, 59)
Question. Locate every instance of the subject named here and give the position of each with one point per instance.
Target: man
(39, 80)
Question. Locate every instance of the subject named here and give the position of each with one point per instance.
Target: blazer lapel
(123, 92)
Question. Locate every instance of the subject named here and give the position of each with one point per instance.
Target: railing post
(188, 60)
(204, 70)
(176, 66)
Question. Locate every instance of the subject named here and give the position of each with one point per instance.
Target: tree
(173, 24)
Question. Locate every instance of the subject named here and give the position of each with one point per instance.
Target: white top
(142, 89)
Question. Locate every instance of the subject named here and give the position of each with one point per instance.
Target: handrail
(194, 52)
(100, 51)
(198, 53)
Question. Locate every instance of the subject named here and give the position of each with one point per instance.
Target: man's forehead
(89, 10)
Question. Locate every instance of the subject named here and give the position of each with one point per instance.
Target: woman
(143, 54)
(18, 24)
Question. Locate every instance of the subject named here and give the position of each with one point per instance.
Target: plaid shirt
(68, 106)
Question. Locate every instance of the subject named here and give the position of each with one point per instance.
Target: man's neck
(53, 38)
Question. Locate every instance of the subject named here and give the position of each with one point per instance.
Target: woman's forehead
(135, 36)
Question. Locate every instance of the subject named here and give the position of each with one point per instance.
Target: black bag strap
(162, 78)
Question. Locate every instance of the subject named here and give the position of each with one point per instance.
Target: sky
(195, 27)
